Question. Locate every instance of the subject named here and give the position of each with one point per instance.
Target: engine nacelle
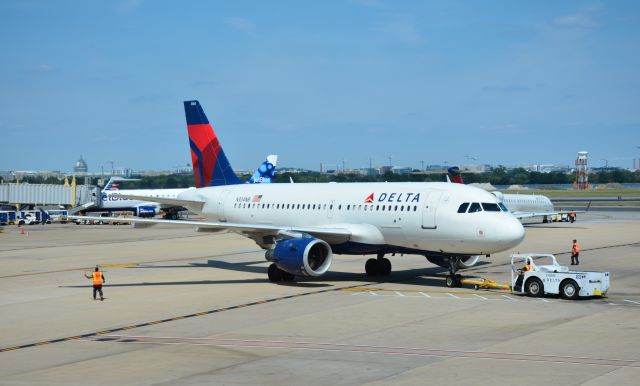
(467, 262)
(461, 263)
(147, 211)
(306, 256)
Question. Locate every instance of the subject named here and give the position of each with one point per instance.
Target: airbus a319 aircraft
(302, 226)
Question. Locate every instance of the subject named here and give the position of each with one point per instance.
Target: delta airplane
(520, 205)
(302, 226)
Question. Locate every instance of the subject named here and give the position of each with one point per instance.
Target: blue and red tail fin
(210, 164)
(455, 175)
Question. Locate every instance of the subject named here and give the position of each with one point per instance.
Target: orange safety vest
(97, 278)
(576, 248)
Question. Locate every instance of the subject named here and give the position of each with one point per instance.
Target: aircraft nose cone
(512, 233)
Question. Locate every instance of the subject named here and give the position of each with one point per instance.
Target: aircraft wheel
(534, 287)
(275, 274)
(372, 267)
(286, 276)
(451, 281)
(569, 290)
(385, 266)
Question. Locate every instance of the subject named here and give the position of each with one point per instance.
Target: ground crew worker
(572, 217)
(575, 252)
(98, 279)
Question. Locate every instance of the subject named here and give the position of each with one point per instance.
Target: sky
(442, 82)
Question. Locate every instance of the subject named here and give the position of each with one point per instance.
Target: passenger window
(415, 208)
(463, 207)
(348, 207)
(475, 207)
(490, 207)
(396, 208)
(339, 207)
(314, 206)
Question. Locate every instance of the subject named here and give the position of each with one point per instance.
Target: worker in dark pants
(575, 252)
(98, 279)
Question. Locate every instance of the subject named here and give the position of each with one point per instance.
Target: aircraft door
(429, 210)
(221, 200)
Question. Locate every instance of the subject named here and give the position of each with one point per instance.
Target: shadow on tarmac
(430, 276)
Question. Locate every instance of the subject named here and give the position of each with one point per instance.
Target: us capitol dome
(81, 166)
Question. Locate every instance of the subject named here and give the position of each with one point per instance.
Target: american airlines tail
(210, 165)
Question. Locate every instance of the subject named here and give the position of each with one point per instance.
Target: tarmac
(190, 308)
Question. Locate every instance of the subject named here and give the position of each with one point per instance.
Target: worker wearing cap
(575, 252)
(98, 279)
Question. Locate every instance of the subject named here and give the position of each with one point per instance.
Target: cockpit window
(463, 207)
(475, 207)
(504, 208)
(490, 207)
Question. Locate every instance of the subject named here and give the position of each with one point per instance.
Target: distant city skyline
(498, 82)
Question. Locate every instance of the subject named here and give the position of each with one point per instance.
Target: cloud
(580, 19)
(44, 67)
(240, 24)
(125, 7)
(401, 27)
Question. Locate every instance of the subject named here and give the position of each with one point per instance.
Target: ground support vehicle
(7, 217)
(546, 276)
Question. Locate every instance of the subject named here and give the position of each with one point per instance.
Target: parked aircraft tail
(265, 171)
(114, 182)
(454, 174)
(210, 165)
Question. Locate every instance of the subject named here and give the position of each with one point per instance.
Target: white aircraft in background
(521, 205)
(112, 198)
(301, 226)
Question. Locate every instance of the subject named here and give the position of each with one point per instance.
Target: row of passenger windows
(479, 207)
(354, 207)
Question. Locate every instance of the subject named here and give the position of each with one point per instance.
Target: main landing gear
(277, 275)
(380, 266)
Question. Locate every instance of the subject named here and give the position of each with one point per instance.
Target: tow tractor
(546, 276)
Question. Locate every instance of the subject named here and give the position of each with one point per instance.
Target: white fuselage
(406, 216)
(113, 200)
(525, 202)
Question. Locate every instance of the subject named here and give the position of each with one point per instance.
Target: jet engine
(146, 211)
(306, 256)
(461, 263)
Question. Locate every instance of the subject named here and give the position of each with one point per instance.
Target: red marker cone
(21, 229)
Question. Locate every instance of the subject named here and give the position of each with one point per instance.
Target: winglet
(210, 165)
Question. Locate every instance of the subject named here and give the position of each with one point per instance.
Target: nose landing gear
(453, 279)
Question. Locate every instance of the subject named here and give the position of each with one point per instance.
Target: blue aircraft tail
(210, 165)
(44, 216)
(265, 171)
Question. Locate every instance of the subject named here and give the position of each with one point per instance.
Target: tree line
(498, 176)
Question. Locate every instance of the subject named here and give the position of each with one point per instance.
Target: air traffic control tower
(582, 180)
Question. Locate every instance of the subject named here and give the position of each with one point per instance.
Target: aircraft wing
(521, 215)
(340, 233)
(189, 204)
